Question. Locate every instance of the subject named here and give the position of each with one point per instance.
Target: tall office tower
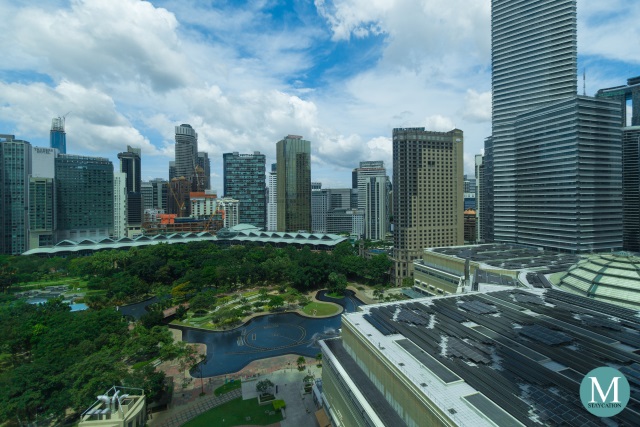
(375, 213)
(622, 94)
(172, 170)
(480, 200)
(533, 58)
(186, 152)
(244, 176)
(631, 187)
(569, 176)
(230, 211)
(42, 199)
(294, 183)
(154, 194)
(84, 197)
(204, 162)
(272, 203)
(57, 135)
(487, 193)
(362, 175)
(319, 208)
(427, 194)
(130, 164)
(15, 167)
(120, 212)
(331, 210)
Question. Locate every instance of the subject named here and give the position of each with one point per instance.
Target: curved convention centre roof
(613, 278)
(239, 234)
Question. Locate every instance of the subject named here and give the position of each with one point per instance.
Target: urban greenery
(235, 413)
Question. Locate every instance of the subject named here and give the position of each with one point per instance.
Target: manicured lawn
(321, 309)
(235, 413)
(72, 282)
(335, 295)
(226, 388)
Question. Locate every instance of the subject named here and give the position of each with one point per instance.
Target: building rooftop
(613, 278)
(119, 406)
(512, 357)
(512, 257)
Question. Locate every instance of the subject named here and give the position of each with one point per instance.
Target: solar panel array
(497, 355)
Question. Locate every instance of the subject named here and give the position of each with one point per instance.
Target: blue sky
(342, 73)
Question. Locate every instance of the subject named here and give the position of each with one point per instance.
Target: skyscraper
(556, 156)
(130, 164)
(631, 187)
(244, 180)
(84, 197)
(204, 162)
(374, 211)
(294, 183)
(480, 199)
(533, 59)
(427, 194)
(119, 204)
(57, 135)
(272, 203)
(15, 167)
(186, 152)
(42, 197)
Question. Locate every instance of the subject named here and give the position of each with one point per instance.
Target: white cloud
(477, 106)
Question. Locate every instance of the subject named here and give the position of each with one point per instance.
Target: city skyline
(336, 73)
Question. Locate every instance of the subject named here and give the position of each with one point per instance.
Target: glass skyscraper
(556, 155)
(186, 152)
(533, 59)
(244, 180)
(130, 164)
(15, 167)
(294, 183)
(84, 187)
(57, 136)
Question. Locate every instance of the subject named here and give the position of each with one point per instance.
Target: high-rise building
(556, 156)
(203, 204)
(186, 152)
(172, 170)
(487, 193)
(361, 179)
(333, 210)
(42, 198)
(230, 211)
(294, 183)
(130, 164)
(57, 135)
(119, 204)
(154, 194)
(480, 200)
(631, 187)
(178, 197)
(622, 94)
(375, 209)
(427, 194)
(272, 195)
(15, 168)
(204, 162)
(84, 197)
(244, 180)
(533, 59)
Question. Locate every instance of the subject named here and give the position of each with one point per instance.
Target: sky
(341, 73)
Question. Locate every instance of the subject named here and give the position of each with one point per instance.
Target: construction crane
(179, 203)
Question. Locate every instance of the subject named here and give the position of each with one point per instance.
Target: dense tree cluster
(53, 359)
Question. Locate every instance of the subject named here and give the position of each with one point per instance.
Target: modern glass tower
(15, 167)
(294, 183)
(57, 136)
(186, 152)
(244, 180)
(130, 164)
(84, 187)
(533, 58)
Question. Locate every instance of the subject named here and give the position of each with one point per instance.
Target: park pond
(263, 337)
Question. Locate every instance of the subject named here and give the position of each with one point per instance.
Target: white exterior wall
(230, 208)
(119, 204)
(272, 203)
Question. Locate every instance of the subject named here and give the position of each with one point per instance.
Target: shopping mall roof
(236, 235)
(513, 357)
(613, 278)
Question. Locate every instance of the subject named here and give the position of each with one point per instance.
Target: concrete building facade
(15, 168)
(272, 202)
(427, 194)
(119, 205)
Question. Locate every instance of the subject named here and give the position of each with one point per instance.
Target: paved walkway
(191, 411)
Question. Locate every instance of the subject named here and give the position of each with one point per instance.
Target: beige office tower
(428, 189)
